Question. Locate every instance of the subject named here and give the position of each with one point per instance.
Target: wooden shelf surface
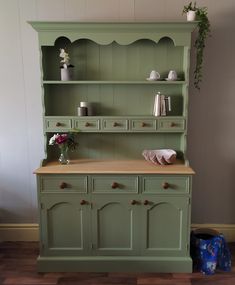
(87, 166)
(165, 82)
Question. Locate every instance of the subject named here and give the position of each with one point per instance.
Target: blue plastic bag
(210, 252)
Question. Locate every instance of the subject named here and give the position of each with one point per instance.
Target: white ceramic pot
(66, 74)
(191, 16)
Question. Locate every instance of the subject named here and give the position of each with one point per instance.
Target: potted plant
(66, 68)
(190, 11)
(203, 32)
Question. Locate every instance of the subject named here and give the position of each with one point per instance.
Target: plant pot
(191, 16)
(66, 74)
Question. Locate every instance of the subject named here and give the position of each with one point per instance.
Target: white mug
(172, 75)
(154, 75)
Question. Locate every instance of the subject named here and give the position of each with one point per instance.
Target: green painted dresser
(109, 209)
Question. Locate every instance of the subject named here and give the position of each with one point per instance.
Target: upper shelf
(122, 33)
(113, 82)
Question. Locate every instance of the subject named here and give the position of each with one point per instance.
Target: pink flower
(61, 138)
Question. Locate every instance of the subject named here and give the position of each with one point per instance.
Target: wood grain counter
(113, 166)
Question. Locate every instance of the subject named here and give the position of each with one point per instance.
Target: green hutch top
(111, 63)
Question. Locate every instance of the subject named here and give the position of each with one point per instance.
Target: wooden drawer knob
(83, 202)
(87, 124)
(173, 124)
(165, 185)
(146, 202)
(63, 185)
(114, 185)
(133, 202)
(115, 124)
(58, 124)
(143, 124)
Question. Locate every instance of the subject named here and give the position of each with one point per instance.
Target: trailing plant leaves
(203, 33)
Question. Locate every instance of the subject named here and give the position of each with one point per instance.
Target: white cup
(154, 75)
(172, 75)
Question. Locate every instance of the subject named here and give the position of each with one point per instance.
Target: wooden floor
(18, 267)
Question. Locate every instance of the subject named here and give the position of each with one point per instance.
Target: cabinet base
(114, 264)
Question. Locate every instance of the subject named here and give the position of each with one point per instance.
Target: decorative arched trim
(110, 40)
(108, 204)
(162, 203)
(58, 204)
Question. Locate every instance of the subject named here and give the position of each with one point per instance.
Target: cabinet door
(64, 224)
(115, 225)
(165, 228)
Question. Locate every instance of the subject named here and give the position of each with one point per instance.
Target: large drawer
(165, 184)
(114, 184)
(63, 183)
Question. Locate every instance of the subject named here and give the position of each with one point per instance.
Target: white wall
(211, 121)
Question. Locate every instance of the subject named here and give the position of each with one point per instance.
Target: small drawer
(143, 125)
(63, 183)
(114, 184)
(87, 124)
(171, 125)
(165, 184)
(58, 124)
(115, 125)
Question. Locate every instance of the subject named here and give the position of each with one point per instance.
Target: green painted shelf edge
(122, 33)
(180, 26)
(118, 117)
(113, 82)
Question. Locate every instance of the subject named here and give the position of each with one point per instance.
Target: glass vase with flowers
(65, 143)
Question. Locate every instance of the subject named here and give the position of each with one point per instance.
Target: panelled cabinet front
(115, 223)
(165, 226)
(64, 225)
(109, 209)
(116, 215)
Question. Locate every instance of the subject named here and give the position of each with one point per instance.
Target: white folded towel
(160, 156)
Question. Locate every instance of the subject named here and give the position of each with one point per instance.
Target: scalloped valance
(122, 33)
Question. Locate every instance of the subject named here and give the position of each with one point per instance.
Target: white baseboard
(30, 232)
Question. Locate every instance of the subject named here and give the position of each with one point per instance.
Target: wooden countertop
(113, 167)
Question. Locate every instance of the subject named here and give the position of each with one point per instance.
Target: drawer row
(114, 124)
(124, 184)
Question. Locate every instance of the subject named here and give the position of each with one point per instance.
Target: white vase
(66, 74)
(191, 16)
